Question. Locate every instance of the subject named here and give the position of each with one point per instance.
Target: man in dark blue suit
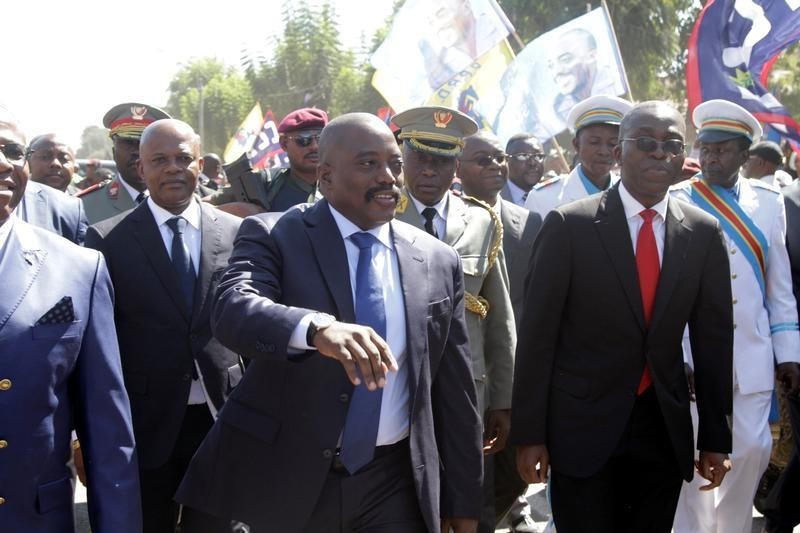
(59, 369)
(281, 456)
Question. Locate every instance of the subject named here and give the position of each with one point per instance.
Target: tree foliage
(226, 98)
(95, 144)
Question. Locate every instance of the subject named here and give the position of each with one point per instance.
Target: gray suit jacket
(266, 459)
(520, 228)
(471, 230)
(53, 210)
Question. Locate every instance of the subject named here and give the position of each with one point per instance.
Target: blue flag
(731, 51)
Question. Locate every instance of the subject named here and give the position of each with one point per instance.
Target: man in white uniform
(595, 122)
(753, 219)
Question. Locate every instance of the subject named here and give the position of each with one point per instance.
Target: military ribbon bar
(719, 203)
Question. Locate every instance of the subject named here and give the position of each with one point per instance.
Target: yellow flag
(245, 135)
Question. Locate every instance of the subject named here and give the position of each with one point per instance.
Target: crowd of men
(353, 343)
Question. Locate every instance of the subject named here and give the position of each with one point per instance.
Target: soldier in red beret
(285, 187)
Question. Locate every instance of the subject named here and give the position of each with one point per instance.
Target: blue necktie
(361, 426)
(182, 261)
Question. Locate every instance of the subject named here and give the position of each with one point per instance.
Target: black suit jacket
(267, 457)
(520, 228)
(791, 196)
(53, 210)
(158, 340)
(583, 341)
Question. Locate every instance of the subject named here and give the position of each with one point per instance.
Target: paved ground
(535, 496)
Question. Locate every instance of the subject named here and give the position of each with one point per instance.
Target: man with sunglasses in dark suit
(282, 188)
(600, 391)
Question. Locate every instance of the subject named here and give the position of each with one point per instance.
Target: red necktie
(649, 269)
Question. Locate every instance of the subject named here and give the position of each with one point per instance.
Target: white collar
(347, 228)
(133, 193)
(440, 206)
(191, 213)
(633, 207)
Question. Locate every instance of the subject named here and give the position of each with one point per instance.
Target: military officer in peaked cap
(125, 123)
(765, 337)
(595, 122)
(433, 138)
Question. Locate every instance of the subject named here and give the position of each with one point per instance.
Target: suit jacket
(57, 376)
(766, 322)
(583, 341)
(470, 230)
(520, 228)
(267, 457)
(53, 210)
(159, 341)
(106, 200)
(791, 196)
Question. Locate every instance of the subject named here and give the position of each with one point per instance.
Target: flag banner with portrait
(266, 151)
(430, 42)
(476, 91)
(245, 135)
(557, 70)
(731, 51)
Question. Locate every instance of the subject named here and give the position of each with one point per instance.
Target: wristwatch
(318, 321)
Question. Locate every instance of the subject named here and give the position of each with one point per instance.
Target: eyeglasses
(304, 140)
(487, 160)
(13, 151)
(525, 157)
(650, 145)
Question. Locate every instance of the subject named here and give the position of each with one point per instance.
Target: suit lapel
(456, 211)
(328, 246)
(612, 226)
(149, 238)
(414, 281)
(676, 243)
(21, 262)
(210, 241)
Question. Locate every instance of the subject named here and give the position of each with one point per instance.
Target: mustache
(371, 192)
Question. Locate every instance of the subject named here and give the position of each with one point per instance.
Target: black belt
(380, 451)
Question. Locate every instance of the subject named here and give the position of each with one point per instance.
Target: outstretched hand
(360, 350)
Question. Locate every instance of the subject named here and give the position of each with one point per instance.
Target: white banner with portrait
(430, 42)
(557, 70)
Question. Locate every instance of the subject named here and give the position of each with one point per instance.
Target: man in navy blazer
(276, 458)
(59, 370)
(53, 210)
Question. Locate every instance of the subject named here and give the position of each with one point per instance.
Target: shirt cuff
(297, 342)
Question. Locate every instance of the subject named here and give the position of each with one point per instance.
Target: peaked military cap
(434, 129)
(129, 120)
(599, 109)
(720, 120)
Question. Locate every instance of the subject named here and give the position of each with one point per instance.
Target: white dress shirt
(395, 404)
(131, 191)
(440, 220)
(633, 208)
(518, 196)
(192, 238)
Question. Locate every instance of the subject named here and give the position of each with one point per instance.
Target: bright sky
(71, 61)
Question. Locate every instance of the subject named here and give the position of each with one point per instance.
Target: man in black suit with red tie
(600, 392)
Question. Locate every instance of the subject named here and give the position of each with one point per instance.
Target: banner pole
(616, 43)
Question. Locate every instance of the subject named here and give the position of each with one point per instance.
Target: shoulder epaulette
(683, 184)
(476, 201)
(763, 185)
(549, 181)
(88, 190)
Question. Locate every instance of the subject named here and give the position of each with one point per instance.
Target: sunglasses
(13, 151)
(304, 140)
(525, 157)
(650, 145)
(487, 160)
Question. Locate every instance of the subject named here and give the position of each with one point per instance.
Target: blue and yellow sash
(720, 203)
